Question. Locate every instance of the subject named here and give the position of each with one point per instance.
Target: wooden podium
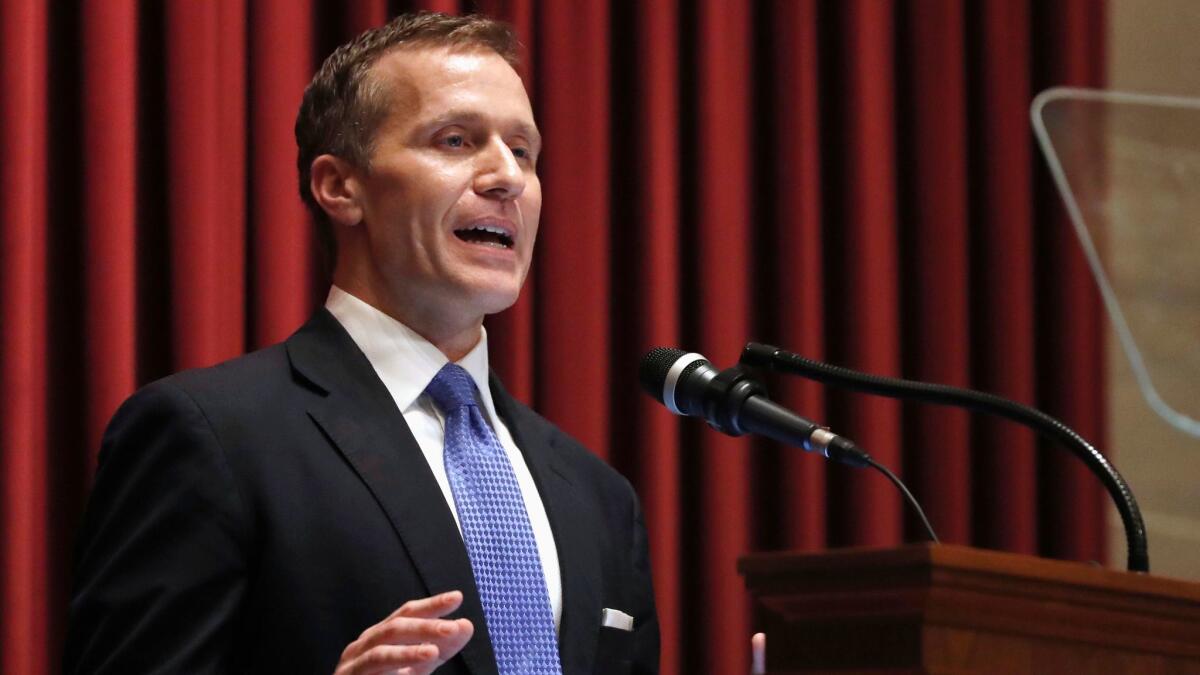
(942, 609)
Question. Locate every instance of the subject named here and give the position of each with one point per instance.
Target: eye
(454, 141)
(524, 154)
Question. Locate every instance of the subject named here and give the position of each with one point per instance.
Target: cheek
(532, 228)
(441, 182)
(531, 209)
(533, 193)
(421, 190)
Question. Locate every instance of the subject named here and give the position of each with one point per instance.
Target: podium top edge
(927, 559)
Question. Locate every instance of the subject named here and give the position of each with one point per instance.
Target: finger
(406, 631)
(435, 606)
(400, 631)
(431, 607)
(456, 636)
(385, 658)
(758, 651)
(453, 643)
(447, 649)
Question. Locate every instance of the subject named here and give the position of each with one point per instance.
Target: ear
(335, 186)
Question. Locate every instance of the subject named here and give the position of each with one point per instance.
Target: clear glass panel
(1128, 169)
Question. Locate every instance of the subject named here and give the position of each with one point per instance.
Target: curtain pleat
(573, 239)
(1002, 275)
(110, 262)
(854, 181)
(645, 241)
(280, 68)
(445, 6)
(362, 15)
(229, 243)
(716, 297)
(934, 257)
(25, 582)
(205, 89)
(1071, 354)
(864, 277)
(791, 289)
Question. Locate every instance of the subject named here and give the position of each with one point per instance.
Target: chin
(493, 298)
(499, 304)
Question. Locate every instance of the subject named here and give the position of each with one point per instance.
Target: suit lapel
(578, 552)
(360, 419)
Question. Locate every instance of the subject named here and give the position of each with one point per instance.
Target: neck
(429, 320)
(454, 346)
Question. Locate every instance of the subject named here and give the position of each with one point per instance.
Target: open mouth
(486, 235)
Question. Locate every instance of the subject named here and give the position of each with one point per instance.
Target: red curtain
(852, 180)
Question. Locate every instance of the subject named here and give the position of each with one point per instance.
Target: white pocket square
(615, 618)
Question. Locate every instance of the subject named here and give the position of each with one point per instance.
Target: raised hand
(414, 640)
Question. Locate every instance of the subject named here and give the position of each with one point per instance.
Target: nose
(500, 175)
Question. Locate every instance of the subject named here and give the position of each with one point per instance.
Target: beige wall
(1154, 47)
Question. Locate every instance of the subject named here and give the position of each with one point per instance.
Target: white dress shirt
(407, 363)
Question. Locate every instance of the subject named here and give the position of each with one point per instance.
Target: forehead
(422, 82)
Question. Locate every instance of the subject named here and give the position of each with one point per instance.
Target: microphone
(734, 403)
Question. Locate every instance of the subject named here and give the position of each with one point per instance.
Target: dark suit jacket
(258, 515)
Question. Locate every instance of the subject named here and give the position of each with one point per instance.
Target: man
(364, 497)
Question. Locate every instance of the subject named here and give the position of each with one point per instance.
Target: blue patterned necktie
(495, 526)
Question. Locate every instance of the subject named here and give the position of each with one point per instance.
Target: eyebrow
(471, 117)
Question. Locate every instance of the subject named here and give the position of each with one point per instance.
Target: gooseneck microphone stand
(774, 358)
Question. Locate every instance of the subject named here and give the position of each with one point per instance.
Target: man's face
(451, 200)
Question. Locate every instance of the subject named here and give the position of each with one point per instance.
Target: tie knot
(452, 388)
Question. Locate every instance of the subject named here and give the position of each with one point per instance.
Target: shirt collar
(405, 361)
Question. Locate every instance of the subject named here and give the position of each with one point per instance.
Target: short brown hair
(342, 109)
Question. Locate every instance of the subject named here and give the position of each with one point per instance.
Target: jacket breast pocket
(614, 653)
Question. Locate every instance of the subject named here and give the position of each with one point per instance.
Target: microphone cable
(908, 496)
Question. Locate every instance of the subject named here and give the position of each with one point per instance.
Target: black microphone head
(670, 376)
(654, 368)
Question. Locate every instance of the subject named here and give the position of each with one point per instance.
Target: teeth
(489, 228)
(506, 239)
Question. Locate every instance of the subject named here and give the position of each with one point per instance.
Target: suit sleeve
(646, 646)
(161, 564)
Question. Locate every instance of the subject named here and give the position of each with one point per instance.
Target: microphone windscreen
(654, 368)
